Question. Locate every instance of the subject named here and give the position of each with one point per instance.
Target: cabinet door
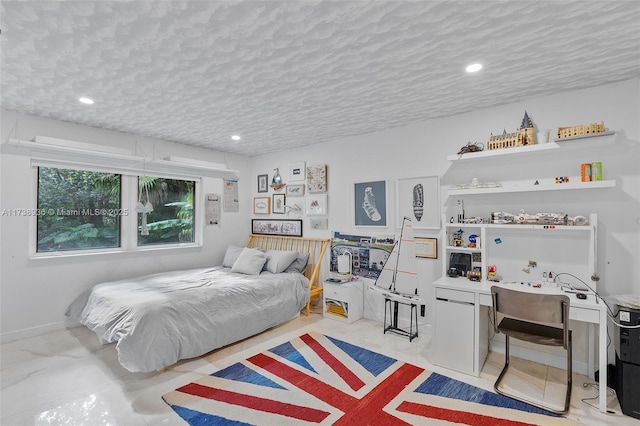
(453, 340)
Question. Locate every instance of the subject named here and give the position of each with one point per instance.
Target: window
(86, 212)
(77, 210)
(165, 208)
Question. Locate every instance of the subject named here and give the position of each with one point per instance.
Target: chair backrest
(535, 307)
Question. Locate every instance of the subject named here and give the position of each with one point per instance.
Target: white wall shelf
(521, 150)
(529, 186)
(463, 249)
(529, 149)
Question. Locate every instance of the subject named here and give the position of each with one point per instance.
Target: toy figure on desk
(492, 273)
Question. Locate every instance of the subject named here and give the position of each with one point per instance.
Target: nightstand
(343, 301)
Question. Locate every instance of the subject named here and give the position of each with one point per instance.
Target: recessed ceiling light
(474, 67)
(86, 101)
(235, 137)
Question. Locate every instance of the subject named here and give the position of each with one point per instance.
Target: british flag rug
(315, 379)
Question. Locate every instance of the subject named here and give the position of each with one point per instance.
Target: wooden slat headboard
(316, 247)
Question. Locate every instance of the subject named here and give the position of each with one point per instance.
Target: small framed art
(278, 203)
(295, 190)
(318, 223)
(261, 205)
(426, 247)
(317, 178)
(297, 171)
(316, 204)
(263, 183)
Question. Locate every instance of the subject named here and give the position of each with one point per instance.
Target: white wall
(422, 149)
(34, 293)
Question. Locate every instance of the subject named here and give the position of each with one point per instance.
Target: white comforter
(159, 319)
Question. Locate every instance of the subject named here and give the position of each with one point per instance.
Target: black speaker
(628, 387)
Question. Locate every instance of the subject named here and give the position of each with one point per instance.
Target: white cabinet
(343, 301)
(453, 339)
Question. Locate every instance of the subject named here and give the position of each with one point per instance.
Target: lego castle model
(525, 135)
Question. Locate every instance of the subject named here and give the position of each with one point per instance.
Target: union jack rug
(315, 379)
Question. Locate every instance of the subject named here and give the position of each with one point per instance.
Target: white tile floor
(68, 378)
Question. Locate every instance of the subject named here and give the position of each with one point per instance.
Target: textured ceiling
(290, 73)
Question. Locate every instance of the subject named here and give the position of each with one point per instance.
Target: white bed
(158, 319)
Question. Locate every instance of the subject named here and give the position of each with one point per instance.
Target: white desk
(477, 295)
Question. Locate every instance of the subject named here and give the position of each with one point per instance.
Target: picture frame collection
(306, 193)
(309, 183)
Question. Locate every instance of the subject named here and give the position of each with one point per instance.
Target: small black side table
(391, 306)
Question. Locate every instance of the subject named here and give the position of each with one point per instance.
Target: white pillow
(250, 262)
(231, 256)
(279, 260)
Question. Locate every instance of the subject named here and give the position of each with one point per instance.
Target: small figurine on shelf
(456, 239)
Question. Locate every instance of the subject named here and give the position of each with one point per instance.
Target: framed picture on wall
(261, 205)
(318, 223)
(316, 205)
(297, 171)
(419, 199)
(263, 183)
(370, 203)
(426, 247)
(278, 203)
(295, 190)
(288, 227)
(317, 178)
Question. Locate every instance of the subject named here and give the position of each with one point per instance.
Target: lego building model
(581, 130)
(525, 135)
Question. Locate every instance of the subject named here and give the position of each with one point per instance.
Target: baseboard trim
(40, 330)
(581, 367)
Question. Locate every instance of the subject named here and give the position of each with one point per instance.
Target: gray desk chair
(537, 318)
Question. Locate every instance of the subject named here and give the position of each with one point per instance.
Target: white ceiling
(291, 73)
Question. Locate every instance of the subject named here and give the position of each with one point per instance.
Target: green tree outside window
(77, 210)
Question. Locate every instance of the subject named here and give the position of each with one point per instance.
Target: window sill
(116, 252)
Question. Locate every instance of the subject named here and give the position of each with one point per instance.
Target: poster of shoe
(370, 203)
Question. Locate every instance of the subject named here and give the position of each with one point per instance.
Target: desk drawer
(336, 292)
(486, 299)
(584, 314)
(455, 295)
